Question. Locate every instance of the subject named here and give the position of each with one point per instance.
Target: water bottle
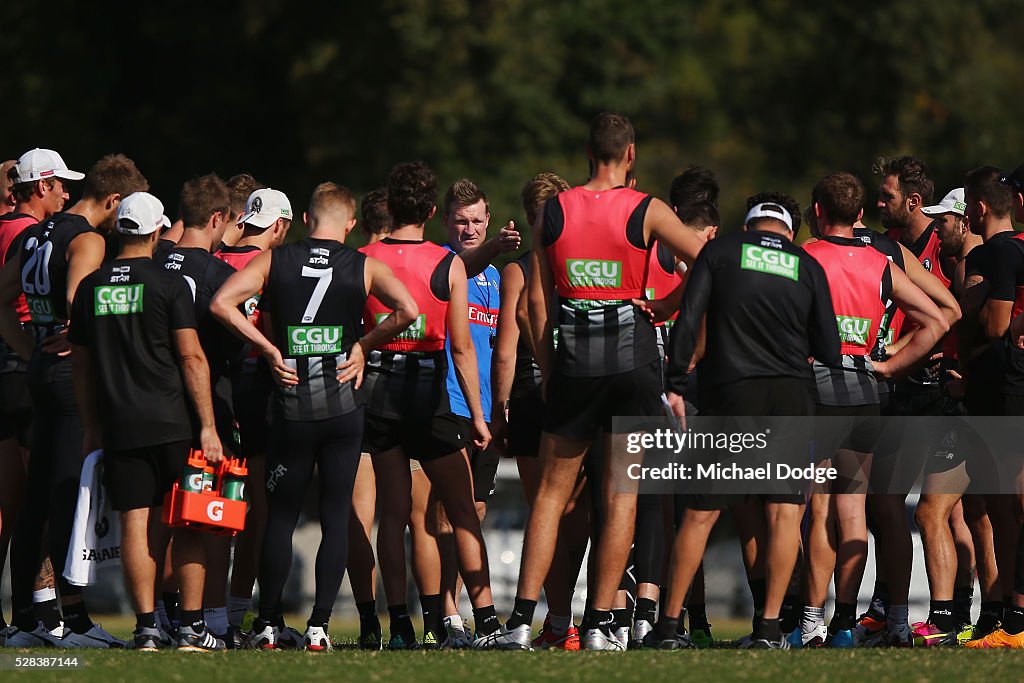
(208, 479)
(234, 480)
(192, 479)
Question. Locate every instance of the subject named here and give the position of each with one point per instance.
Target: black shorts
(860, 435)
(251, 392)
(759, 396)
(430, 439)
(525, 423)
(15, 408)
(140, 477)
(484, 465)
(578, 407)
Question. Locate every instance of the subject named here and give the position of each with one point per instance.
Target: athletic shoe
(7, 631)
(977, 633)
(15, 637)
(146, 639)
(964, 633)
(100, 638)
(601, 639)
(680, 641)
(899, 635)
(746, 642)
(641, 627)
(290, 639)
(998, 639)
(165, 641)
(517, 638)
(316, 639)
(702, 638)
(869, 630)
(764, 644)
(929, 635)
(795, 641)
(236, 638)
(621, 634)
(841, 639)
(815, 638)
(264, 636)
(190, 640)
(400, 642)
(61, 637)
(455, 638)
(549, 640)
(370, 636)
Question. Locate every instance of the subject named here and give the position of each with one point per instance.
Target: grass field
(492, 667)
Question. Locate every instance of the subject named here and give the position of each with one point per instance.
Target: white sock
(216, 619)
(237, 607)
(897, 616)
(454, 622)
(559, 625)
(44, 594)
(812, 618)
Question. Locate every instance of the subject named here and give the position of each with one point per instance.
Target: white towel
(96, 535)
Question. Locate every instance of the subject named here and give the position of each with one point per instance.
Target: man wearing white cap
(54, 256)
(136, 353)
(263, 224)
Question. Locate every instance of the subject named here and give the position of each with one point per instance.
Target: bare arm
(238, 288)
(541, 293)
(932, 286)
(995, 318)
(85, 255)
(84, 380)
(463, 353)
(196, 373)
(503, 358)
(921, 311)
(476, 259)
(11, 331)
(661, 223)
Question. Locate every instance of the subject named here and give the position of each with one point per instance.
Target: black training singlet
(314, 297)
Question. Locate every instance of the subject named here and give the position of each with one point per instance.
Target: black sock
(171, 606)
(145, 620)
(77, 618)
(962, 598)
(666, 628)
(758, 589)
(367, 610)
(623, 617)
(789, 615)
(400, 621)
(940, 613)
(681, 627)
(645, 610)
(597, 618)
(24, 619)
(879, 598)
(319, 617)
(843, 618)
(1013, 619)
(698, 616)
(486, 620)
(767, 629)
(48, 612)
(522, 613)
(194, 619)
(431, 607)
(991, 613)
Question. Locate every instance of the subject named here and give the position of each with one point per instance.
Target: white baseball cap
(769, 210)
(140, 213)
(264, 207)
(39, 164)
(953, 202)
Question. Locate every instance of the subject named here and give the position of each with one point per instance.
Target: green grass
(491, 667)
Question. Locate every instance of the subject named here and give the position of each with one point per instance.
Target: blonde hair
(331, 198)
(538, 190)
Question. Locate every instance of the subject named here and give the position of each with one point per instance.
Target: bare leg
(188, 555)
(394, 485)
(783, 524)
(932, 517)
(687, 553)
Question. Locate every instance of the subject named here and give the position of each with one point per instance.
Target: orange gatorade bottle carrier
(208, 500)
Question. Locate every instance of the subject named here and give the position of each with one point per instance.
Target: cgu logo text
(417, 330)
(118, 299)
(594, 273)
(308, 340)
(771, 261)
(853, 330)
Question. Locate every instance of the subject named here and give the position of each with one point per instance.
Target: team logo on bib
(40, 309)
(594, 273)
(853, 330)
(770, 261)
(118, 299)
(415, 332)
(314, 340)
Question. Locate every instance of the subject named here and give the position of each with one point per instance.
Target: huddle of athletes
(401, 371)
